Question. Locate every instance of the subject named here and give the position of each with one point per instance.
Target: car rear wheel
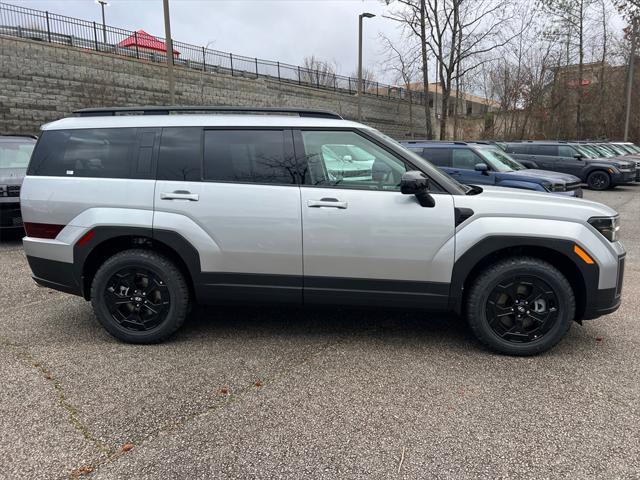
(599, 180)
(140, 296)
(520, 306)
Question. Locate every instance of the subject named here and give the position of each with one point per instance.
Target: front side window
(347, 160)
(15, 153)
(517, 148)
(248, 156)
(566, 151)
(500, 160)
(465, 158)
(102, 153)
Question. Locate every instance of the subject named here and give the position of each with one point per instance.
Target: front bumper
(604, 301)
(623, 177)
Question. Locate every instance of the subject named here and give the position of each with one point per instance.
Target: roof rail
(166, 110)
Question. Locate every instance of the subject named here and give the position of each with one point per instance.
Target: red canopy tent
(146, 43)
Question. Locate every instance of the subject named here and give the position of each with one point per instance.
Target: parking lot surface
(281, 393)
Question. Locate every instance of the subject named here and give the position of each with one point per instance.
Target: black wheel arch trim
(492, 245)
(174, 241)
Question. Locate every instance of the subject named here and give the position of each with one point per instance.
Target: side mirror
(481, 167)
(380, 171)
(579, 156)
(416, 183)
(347, 158)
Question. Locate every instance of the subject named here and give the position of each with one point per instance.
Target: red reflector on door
(42, 230)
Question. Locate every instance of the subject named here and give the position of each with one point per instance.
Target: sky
(279, 30)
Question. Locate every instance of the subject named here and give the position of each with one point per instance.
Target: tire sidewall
(104, 274)
(599, 172)
(551, 337)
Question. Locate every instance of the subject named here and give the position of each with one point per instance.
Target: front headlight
(554, 187)
(607, 226)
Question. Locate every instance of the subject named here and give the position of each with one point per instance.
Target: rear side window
(248, 156)
(517, 148)
(438, 156)
(550, 150)
(15, 153)
(102, 153)
(180, 156)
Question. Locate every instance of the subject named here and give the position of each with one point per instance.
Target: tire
(120, 302)
(599, 180)
(490, 315)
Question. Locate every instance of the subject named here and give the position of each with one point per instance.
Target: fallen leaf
(598, 339)
(223, 391)
(126, 447)
(258, 384)
(48, 376)
(78, 472)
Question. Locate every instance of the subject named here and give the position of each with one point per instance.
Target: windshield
(15, 153)
(616, 149)
(602, 151)
(587, 151)
(634, 148)
(436, 174)
(500, 160)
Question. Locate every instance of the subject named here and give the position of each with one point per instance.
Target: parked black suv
(597, 173)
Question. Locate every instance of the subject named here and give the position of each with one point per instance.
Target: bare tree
(412, 15)
(404, 65)
(318, 72)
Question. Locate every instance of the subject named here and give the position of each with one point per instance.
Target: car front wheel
(520, 306)
(140, 296)
(599, 180)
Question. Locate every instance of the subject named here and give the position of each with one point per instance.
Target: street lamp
(103, 3)
(360, 17)
(169, 45)
(204, 67)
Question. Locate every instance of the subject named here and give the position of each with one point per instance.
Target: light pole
(103, 3)
(169, 44)
(360, 17)
(204, 66)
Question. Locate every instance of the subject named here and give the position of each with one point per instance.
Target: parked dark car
(598, 173)
(15, 153)
(480, 163)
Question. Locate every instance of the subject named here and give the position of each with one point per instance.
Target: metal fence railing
(49, 27)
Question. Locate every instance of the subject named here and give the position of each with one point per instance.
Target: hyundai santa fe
(145, 215)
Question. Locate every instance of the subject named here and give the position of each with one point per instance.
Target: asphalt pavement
(293, 393)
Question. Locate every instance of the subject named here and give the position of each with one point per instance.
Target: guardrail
(49, 27)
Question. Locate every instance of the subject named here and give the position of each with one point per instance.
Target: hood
(515, 202)
(12, 176)
(548, 175)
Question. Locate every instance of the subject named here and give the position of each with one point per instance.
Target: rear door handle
(327, 202)
(179, 195)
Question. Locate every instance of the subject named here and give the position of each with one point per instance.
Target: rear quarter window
(101, 153)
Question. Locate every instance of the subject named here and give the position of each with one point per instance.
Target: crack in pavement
(232, 396)
(23, 354)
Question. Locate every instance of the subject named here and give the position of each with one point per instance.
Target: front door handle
(327, 202)
(179, 195)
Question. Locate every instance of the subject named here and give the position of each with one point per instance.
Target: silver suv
(147, 214)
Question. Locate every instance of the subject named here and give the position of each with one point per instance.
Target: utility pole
(169, 44)
(360, 17)
(425, 71)
(103, 3)
(632, 55)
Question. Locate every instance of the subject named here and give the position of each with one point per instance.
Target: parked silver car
(146, 214)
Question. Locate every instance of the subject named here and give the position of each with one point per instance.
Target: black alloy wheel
(599, 180)
(137, 298)
(522, 309)
(140, 296)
